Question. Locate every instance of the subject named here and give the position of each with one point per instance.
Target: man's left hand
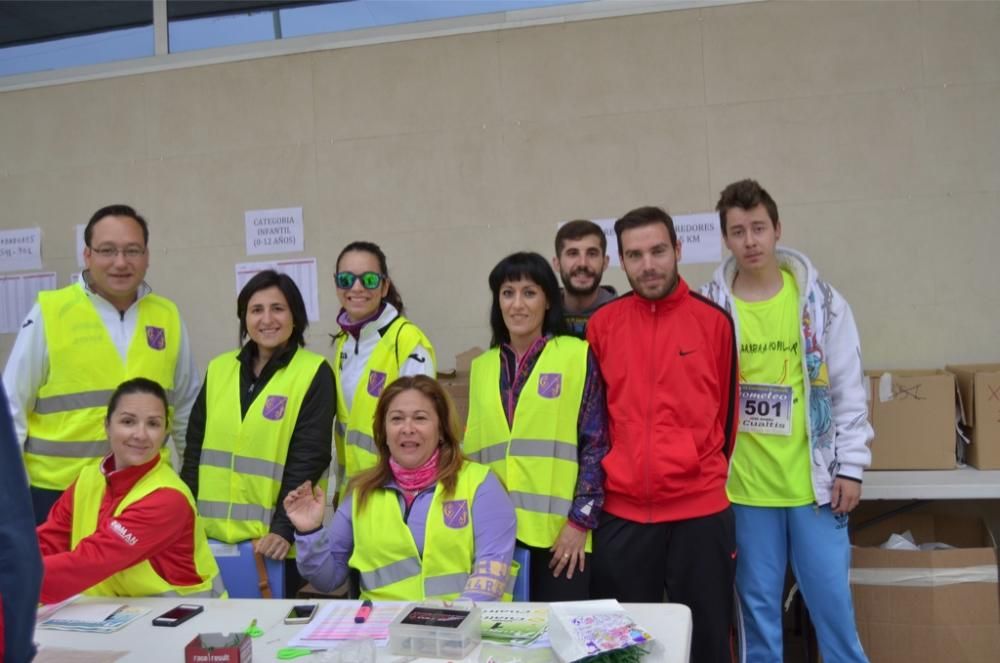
(845, 495)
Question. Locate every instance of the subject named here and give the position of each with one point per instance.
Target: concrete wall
(874, 125)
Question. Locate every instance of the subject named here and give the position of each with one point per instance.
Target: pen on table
(363, 612)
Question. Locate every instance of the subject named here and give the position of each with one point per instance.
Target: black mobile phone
(301, 614)
(178, 615)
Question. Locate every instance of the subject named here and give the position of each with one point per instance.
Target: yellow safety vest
(386, 555)
(140, 579)
(66, 425)
(353, 430)
(243, 459)
(538, 460)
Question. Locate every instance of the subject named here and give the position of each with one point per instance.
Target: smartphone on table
(178, 615)
(301, 614)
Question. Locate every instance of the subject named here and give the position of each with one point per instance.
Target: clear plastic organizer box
(435, 631)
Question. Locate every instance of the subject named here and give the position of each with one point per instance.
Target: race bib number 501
(766, 408)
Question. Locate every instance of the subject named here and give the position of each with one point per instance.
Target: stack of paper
(93, 617)
(335, 621)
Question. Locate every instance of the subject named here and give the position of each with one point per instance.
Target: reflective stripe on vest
(243, 460)
(488, 455)
(538, 460)
(390, 574)
(353, 431)
(218, 590)
(85, 399)
(255, 466)
(359, 440)
(556, 506)
(78, 401)
(84, 369)
(446, 585)
(386, 555)
(339, 431)
(66, 449)
(544, 449)
(141, 579)
(250, 513)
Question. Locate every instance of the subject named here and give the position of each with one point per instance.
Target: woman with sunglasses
(538, 418)
(261, 424)
(376, 344)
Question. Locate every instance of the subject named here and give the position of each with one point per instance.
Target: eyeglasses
(370, 280)
(130, 253)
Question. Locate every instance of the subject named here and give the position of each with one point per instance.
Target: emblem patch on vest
(274, 407)
(550, 385)
(456, 513)
(156, 337)
(376, 383)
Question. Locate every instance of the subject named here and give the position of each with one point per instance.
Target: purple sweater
(323, 554)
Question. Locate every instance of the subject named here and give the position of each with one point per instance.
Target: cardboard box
(979, 392)
(219, 648)
(913, 414)
(456, 384)
(457, 388)
(927, 606)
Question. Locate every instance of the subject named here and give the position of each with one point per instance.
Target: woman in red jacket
(127, 526)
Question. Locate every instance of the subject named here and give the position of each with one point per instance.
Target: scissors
(253, 630)
(288, 653)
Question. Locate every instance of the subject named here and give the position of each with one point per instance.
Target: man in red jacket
(668, 357)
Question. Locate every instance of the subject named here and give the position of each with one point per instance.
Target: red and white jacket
(670, 366)
(158, 528)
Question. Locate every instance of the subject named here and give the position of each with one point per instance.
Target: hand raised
(305, 508)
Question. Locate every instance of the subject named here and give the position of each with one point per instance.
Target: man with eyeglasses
(78, 343)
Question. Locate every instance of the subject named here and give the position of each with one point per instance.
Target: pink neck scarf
(412, 481)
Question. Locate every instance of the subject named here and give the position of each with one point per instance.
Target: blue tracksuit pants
(814, 540)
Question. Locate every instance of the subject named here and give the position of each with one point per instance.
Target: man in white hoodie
(803, 438)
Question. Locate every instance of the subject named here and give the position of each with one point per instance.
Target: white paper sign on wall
(698, 234)
(274, 230)
(20, 249)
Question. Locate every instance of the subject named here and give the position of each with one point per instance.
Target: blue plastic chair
(239, 572)
(523, 557)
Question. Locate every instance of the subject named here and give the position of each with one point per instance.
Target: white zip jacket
(839, 432)
(28, 365)
(356, 352)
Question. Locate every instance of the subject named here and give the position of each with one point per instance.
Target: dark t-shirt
(576, 321)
